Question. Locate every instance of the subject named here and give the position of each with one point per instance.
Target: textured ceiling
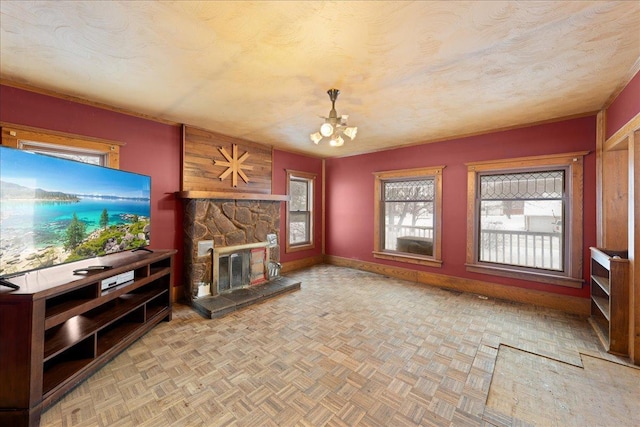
(408, 71)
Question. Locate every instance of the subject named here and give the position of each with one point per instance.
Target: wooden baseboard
(301, 263)
(177, 294)
(568, 304)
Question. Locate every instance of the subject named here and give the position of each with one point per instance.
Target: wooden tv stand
(61, 327)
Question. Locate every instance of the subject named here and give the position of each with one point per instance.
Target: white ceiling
(407, 71)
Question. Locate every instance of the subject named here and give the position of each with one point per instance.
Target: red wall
(624, 107)
(154, 149)
(350, 193)
(283, 160)
(151, 148)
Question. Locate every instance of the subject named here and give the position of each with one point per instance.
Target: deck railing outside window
(520, 248)
(395, 231)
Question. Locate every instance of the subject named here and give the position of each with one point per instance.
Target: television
(55, 210)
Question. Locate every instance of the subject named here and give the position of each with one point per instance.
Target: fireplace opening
(239, 267)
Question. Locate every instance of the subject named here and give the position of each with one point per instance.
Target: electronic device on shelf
(117, 280)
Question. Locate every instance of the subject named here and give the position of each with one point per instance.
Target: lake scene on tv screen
(55, 211)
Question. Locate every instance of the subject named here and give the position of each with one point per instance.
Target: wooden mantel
(231, 196)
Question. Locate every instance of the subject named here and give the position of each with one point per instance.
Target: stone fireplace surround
(227, 223)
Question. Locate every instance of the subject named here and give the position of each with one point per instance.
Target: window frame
(310, 178)
(25, 137)
(573, 163)
(432, 172)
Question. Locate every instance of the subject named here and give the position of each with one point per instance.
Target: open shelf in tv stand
(59, 328)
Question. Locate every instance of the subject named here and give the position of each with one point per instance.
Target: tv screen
(55, 210)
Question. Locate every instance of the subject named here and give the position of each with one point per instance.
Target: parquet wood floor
(350, 348)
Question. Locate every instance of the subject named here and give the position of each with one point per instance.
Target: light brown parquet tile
(350, 349)
(530, 387)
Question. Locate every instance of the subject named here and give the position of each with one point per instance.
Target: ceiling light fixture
(334, 127)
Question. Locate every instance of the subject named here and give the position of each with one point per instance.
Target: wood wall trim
(524, 162)
(601, 130)
(620, 139)
(568, 304)
(634, 245)
(12, 134)
(301, 263)
(615, 196)
(12, 126)
(409, 173)
(620, 204)
(324, 212)
(408, 258)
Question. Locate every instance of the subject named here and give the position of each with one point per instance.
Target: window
(517, 211)
(76, 147)
(408, 207)
(300, 187)
(79, 155)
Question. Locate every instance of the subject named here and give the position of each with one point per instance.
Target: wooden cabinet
(610, 299)
(61, 327)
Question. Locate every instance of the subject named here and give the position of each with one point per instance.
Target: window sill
(541, 277)
(298, 248)
(408, 258)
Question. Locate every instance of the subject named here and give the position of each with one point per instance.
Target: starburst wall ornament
(234, 165)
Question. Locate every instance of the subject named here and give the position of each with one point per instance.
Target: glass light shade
(315, 137)
(351, 132)
(326, 129)
(336, 141)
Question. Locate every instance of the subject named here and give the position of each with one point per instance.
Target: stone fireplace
(241, 252)
(230, 213)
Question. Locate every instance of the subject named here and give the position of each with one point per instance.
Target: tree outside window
(408, 212)
(408, 215)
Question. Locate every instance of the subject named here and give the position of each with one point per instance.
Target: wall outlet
(204, 246)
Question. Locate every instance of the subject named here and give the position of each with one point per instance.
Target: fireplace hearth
(216, 306)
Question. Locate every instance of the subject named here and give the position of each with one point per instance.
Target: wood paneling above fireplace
(213, 163)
